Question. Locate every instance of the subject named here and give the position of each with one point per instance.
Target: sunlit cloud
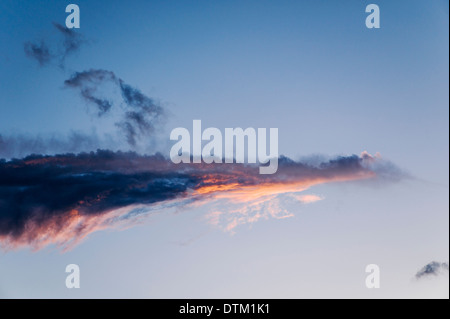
(307, 199)
(60, 200)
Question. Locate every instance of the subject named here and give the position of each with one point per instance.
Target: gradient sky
(310, 68)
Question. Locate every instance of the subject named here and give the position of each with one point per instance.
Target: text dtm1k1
(234, 308)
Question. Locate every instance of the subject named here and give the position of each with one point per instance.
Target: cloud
(63, 198)
(306, 199)
(433, 268)
(87, 82)
(141, 114)
(140, 120)
(20, 145)
(71, 43)
(40, 52)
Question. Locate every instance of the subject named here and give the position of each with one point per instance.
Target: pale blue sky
(310, 68)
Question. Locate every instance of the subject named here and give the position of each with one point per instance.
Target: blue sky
(310, 68)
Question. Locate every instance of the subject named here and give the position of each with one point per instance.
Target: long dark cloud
(41, 52)
(61, 199)
(141, 113)
(433, 268)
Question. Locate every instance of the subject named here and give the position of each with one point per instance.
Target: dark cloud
(139, 121)
(90, 77)
(87, 82)
(71, 42)
(141, 113)
(62, 198)
(40, 189)
(434, 268)
(39, 52)
(135, 98)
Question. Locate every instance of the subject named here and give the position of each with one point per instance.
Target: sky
(362, 117)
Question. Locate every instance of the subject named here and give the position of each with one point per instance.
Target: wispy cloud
(140, 114)
(433, 268)
(44, 55)
(38, 51)
(87, 82)
(306, 199)
(72, 41)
